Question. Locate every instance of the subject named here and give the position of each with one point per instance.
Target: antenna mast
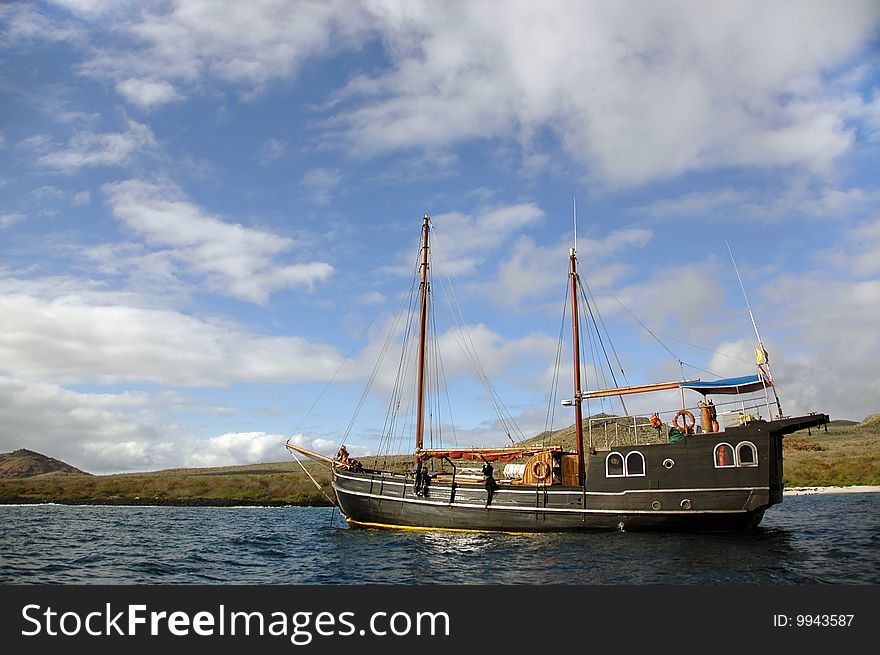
(762, 356)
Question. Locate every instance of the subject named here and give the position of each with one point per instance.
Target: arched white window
(635, 464)
(746, 454)
(614, 465)
(724, 457)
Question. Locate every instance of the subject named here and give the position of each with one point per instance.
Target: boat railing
(609, 431)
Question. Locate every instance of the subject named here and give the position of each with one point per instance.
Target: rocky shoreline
(805, 491)
(163, 502)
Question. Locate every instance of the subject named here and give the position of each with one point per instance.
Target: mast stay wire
(335, 375)
(554, 382)
(662, 344)
(653, 335)
(320, 488)
(465, 342)
(601, 342)
(393, 417)
(591, 302)
(380, 359)
(640, 322)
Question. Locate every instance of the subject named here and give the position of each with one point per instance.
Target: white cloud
(321, 183)
(7, 220)
(115, 432)
(528, 273)
(471, 237)
(660, 298)
(234, 447)
(77, 335)
(857, 252)
(829, 360)
(676, 86)
(488, 229)
(636, 96)
(272, 150)
(372, 298)
(97, 8)
(63, 423)
(47, 194)
(107, 149)
(795, 197)
(495, 353)
(531, 271)
(147, 93)
(865, 260)
(248, 43)
(697, 203)
(235, 259)
(81, 198)
(23, 22)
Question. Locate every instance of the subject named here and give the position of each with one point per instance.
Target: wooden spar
(642, 388)
(310, 454)
(423, 323)
(576, 347)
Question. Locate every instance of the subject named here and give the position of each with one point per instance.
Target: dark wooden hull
(690, 494)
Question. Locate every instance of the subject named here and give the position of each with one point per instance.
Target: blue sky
(206, 206)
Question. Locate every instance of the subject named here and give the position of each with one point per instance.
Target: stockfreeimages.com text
(301, 626)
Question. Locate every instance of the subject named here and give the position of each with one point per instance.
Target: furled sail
(743, 384)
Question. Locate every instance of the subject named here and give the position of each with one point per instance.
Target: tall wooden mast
(576, 348)
(423, 346)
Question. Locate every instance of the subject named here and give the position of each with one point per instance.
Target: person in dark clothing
(422, 479)
(491, 484)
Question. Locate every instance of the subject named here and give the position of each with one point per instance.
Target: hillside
(847, 454)
(278, 483)
(24, 463)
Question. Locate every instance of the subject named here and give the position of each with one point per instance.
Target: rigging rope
(375, 371)
(554, 382)
(334, 376)
(320, 488)
(602, 344)
(637, 320)
(463, 337)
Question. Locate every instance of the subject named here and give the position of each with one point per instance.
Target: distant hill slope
(24, 463)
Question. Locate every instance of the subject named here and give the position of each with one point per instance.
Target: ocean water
(822, 538)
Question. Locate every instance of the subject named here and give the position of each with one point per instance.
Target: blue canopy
(743, 384)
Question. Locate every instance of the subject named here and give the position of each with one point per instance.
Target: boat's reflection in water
(456, 544)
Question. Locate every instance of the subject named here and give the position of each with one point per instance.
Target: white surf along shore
(801, 491)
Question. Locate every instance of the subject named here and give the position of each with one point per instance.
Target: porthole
(668, 463)
(686, 503)
(614, 466)
(655, 504)
(746, 454)
(635, 464)
(724, 456)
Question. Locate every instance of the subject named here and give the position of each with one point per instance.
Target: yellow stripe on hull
(386, 526)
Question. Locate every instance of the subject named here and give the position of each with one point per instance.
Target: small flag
(761, 355)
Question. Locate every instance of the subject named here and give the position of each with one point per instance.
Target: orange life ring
(688, 422)
(541, 470)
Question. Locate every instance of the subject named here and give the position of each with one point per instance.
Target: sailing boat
(706, 475)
